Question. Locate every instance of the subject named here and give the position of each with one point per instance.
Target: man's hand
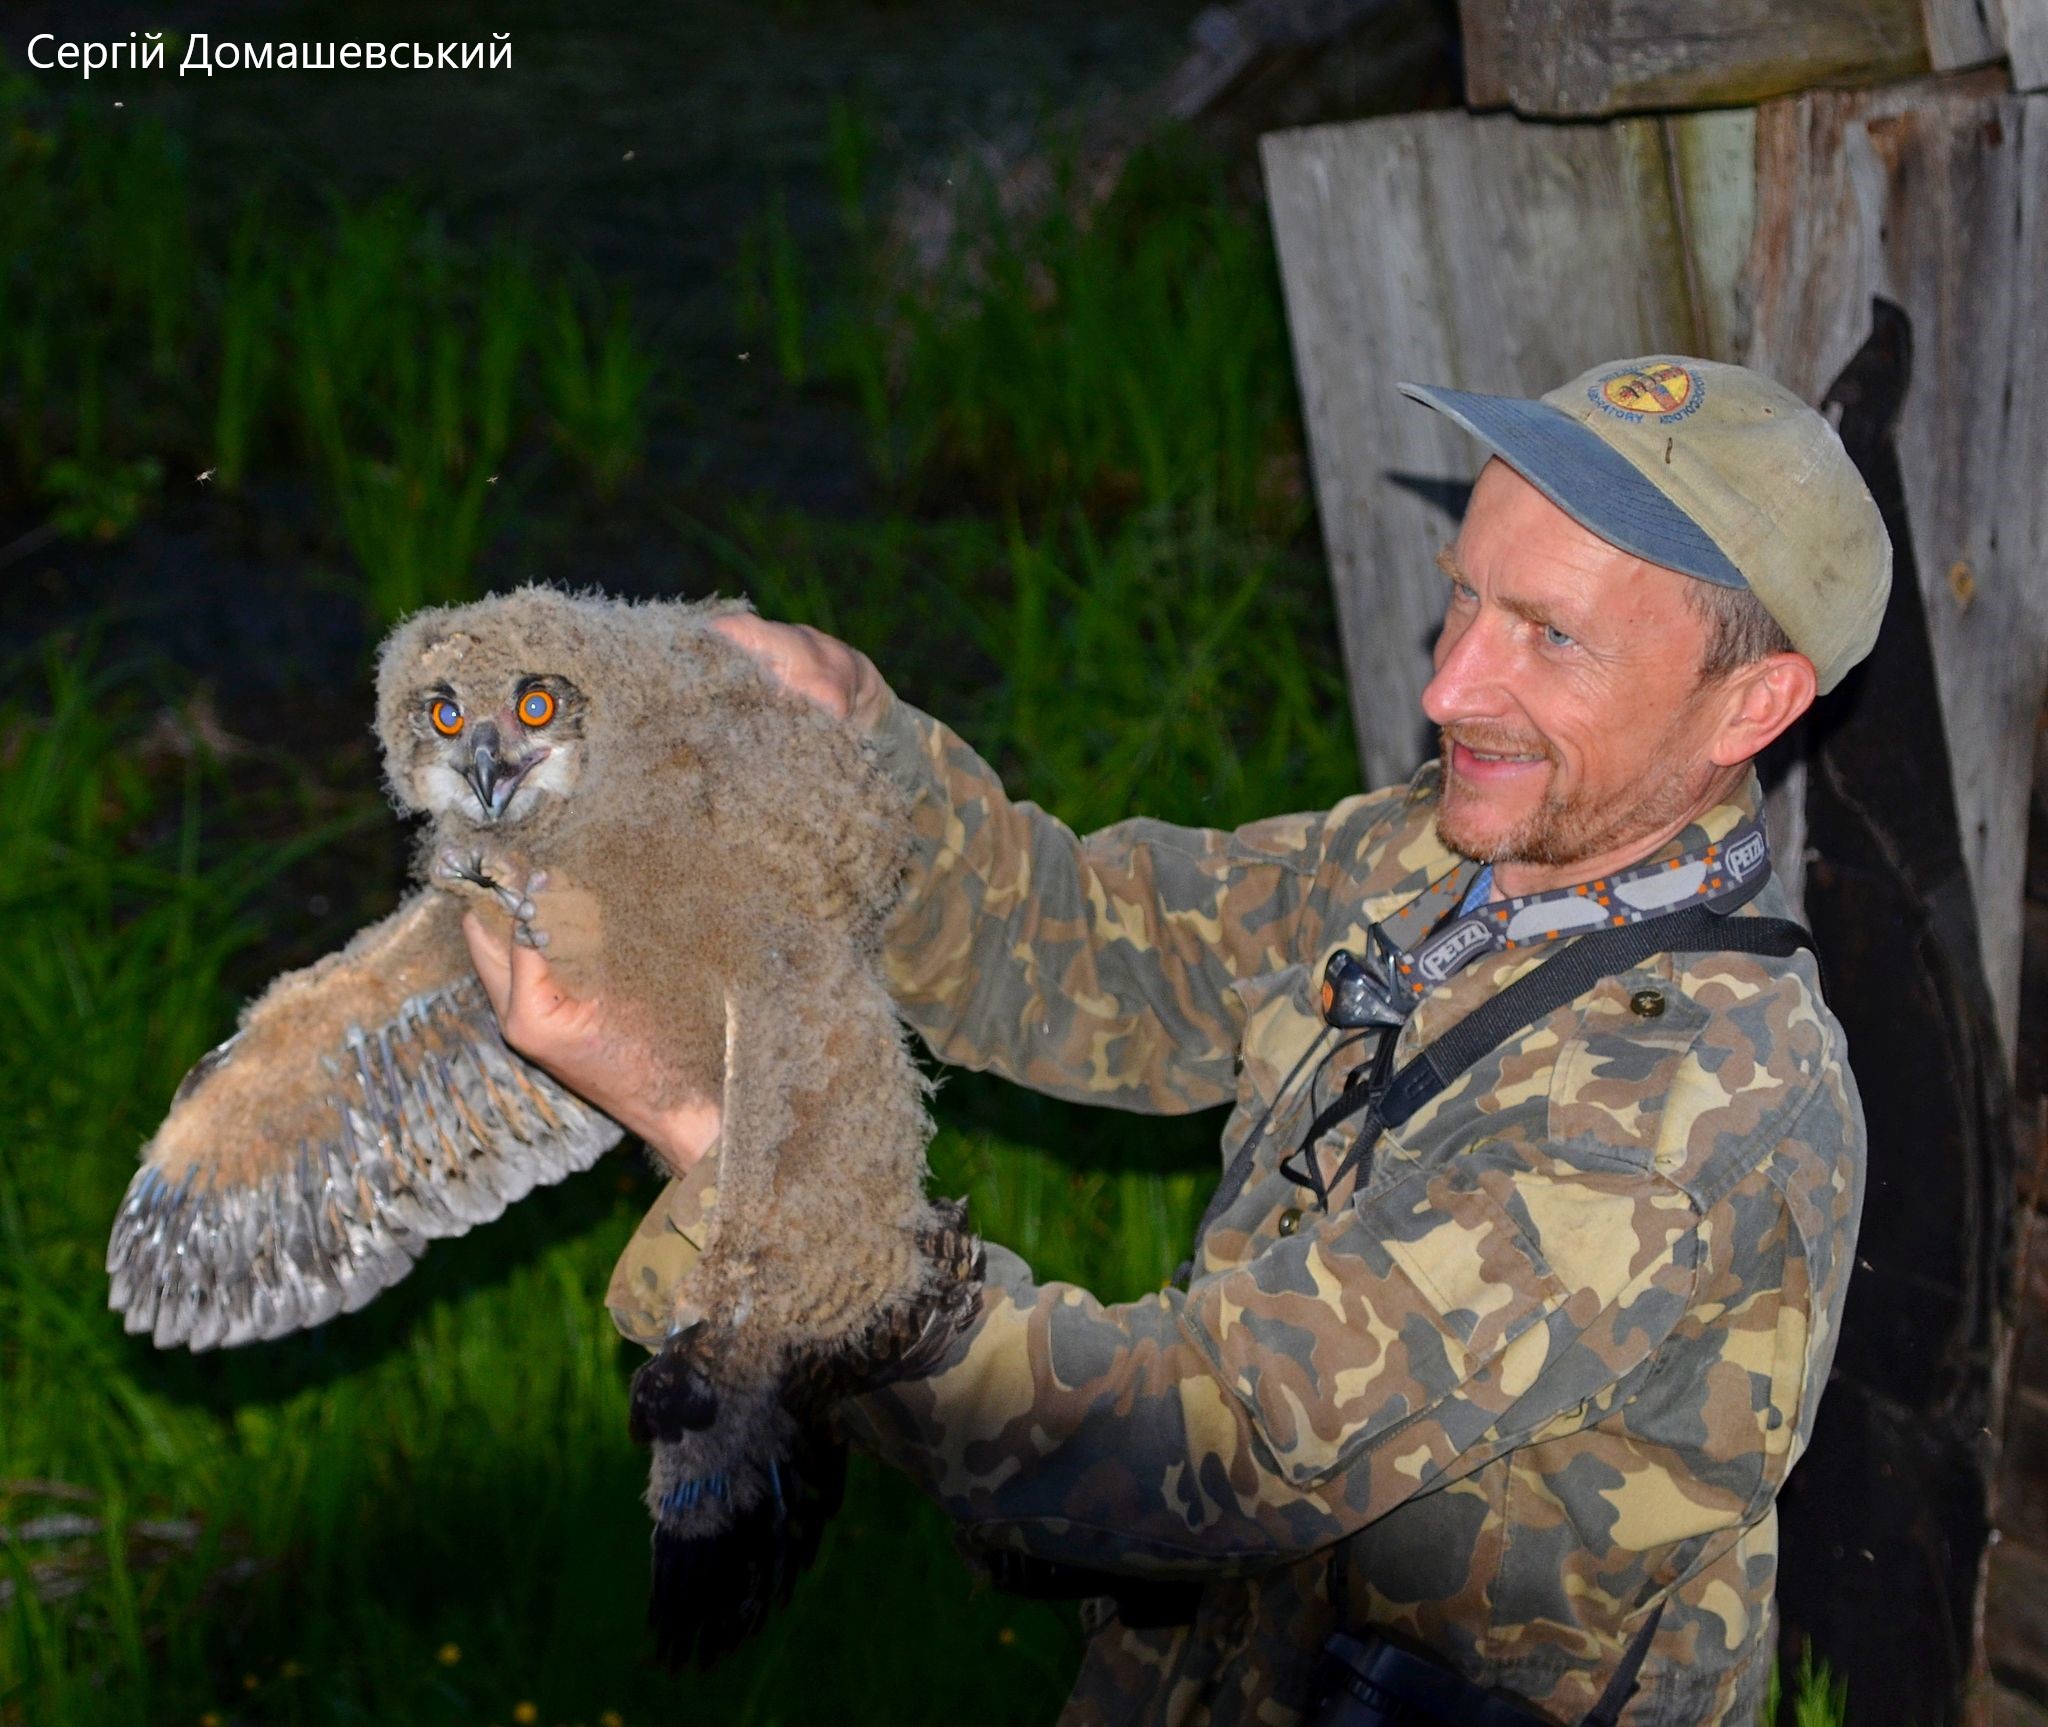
(570, 1040)
(820, 668)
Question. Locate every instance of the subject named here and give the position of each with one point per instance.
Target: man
(1517, 1389)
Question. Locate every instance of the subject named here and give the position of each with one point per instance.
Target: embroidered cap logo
(1660, 392)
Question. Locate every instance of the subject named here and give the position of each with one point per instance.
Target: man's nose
(1469, 667)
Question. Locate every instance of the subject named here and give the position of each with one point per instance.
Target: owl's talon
(670, 1397)
(453, 865)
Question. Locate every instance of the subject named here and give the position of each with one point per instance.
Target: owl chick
(712, 856)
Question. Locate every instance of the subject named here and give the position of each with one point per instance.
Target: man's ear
(1758, 702)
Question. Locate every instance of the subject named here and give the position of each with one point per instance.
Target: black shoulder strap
(1622, 1686)
(1593, 956)
(1565, 977)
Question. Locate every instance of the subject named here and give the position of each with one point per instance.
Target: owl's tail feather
(713, 1590)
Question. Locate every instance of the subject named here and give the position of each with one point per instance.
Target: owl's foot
(468, 869)
(672, 1394)
(524, 929)
(746, 1475)
(913, 1339)
(472, 869)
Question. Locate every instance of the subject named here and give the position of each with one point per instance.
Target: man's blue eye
(1555, 637)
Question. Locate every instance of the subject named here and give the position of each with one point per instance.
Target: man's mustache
(1492, 741)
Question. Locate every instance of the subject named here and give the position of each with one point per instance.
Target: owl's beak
(490, 776)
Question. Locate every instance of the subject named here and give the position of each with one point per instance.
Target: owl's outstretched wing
(367, 1106)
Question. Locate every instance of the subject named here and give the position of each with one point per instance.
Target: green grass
(145, 332)
(1162, 661)
(1818, 1699)
(1131, 354)
(405, 359)
(599, 384)
(96, 281)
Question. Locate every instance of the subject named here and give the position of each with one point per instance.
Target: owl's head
(492, 713)
(485, 710)
(487, 743)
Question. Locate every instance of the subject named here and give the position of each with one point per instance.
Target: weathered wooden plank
(1482, 29)
(2006, 1707)
(1476, 252)
(2023, 1494)
(2026, 40)
(1965, 33)
(1713, 174)
(1935, 197)
(1567, 58)
(2018, 1596)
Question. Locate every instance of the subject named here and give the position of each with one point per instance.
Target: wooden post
(1569, 58)
(1935, 197)
(1573, 59)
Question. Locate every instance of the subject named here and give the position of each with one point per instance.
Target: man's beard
(1559, 831)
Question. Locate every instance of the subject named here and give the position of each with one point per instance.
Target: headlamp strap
(1721, 875)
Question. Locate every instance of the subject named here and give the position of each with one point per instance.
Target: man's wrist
(679, 1136)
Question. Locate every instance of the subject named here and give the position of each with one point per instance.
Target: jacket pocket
(1422, 1303)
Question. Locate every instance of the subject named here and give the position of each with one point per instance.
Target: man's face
(1575, 733)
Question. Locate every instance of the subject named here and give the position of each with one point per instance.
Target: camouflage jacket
(1546, 1370)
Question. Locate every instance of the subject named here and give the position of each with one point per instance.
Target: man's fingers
(533, 984)
(765, 641)
(749, 630)
(806, 662)
(493, 961)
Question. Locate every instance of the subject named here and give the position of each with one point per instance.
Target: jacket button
(1290, 1220)
(1646, 1003)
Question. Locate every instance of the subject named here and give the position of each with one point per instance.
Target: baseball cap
(1712, 470)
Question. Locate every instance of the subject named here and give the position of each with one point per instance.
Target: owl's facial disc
(494, 767)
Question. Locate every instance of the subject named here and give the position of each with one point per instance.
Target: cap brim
(1591, 481)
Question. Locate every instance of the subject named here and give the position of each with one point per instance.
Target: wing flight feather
(367, 1106)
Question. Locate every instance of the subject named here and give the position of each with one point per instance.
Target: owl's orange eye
(445, 715)
(536, 707)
